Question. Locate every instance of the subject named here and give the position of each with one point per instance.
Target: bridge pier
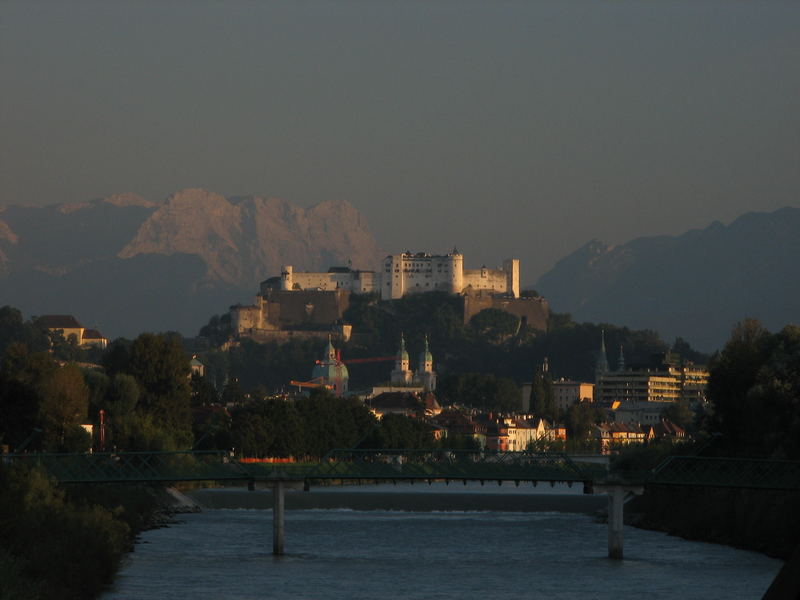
(278, 498)
(279, 488)
(616, 499)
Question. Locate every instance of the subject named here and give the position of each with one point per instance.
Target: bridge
(414, 465)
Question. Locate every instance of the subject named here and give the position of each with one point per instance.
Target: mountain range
(125, 264)
(696, 285)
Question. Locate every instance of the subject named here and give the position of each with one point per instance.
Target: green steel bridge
(414, 465)
(405, 465)
(343, 465)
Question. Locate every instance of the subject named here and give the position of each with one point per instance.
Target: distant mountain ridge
(127, 264)
(695, 285)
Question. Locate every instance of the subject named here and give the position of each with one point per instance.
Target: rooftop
(59, 322)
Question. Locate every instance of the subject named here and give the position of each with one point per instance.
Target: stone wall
(533, 311)
(305, 308)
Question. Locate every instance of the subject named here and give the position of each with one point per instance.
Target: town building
(638, 413)
(566, 393)
(612, 436)
(459, 425)
(667, 380)
(196, 367)
(410, 404)
(664, 430)
(69, 326)
(669, 383)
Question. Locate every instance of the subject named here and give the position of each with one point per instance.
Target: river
(341, 553)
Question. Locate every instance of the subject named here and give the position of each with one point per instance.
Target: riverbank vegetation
(58, 543)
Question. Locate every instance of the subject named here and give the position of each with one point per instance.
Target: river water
(345, 554)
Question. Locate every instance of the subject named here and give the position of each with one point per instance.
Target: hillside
(126, 264)
(695, 285)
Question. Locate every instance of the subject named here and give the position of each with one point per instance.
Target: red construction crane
(314, 383)
(372, 359)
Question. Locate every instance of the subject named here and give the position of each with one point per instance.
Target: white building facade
(409, 273)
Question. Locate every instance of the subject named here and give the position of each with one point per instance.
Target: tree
(542, 401)
(64, 406)
(203, 392)
(120, 402)
(680, 412)
(478, 390)
(117, 357)
(66, 349)
(218, 330)
(732, 374)
(777, 396)
(494, 325)
(162, 370)
(400, 432)
(20, 395)
(13, 329)
(581, 417)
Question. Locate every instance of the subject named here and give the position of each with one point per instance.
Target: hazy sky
(506, 128)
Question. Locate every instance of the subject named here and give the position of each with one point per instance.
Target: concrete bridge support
(617, 493)
(279, 488)
(278, 502)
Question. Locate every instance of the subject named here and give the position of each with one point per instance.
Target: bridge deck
(404, 465)
(391, 465)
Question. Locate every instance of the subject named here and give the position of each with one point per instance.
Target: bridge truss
(346, 465)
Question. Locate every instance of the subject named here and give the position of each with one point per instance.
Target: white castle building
(407, 273)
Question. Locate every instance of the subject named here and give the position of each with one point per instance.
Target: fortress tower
(286, 278)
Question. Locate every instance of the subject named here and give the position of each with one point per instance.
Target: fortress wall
(533, 311)
(307, 307)
(244, 318)
(492, 280)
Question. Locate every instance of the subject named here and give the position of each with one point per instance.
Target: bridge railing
(392, 465)
(129, 467)
(728, 472)
(398, 464)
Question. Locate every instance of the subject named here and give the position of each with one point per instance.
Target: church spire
(621, 360)
(330, 351)
(401, 374)
(426, 358)
(601, 367)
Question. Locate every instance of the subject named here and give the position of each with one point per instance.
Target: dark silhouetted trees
(754, 390)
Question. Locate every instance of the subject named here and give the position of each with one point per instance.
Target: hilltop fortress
(302, 304)
(406, 273)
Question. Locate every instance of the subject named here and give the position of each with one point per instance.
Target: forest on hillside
(493, 343)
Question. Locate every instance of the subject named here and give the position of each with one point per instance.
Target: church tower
(401, 374)
(601, 367)
(426, 376)
(331, 371)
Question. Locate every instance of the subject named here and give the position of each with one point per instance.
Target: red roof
(93, 334)
(59, 322)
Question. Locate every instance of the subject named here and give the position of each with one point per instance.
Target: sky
(508, 129)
